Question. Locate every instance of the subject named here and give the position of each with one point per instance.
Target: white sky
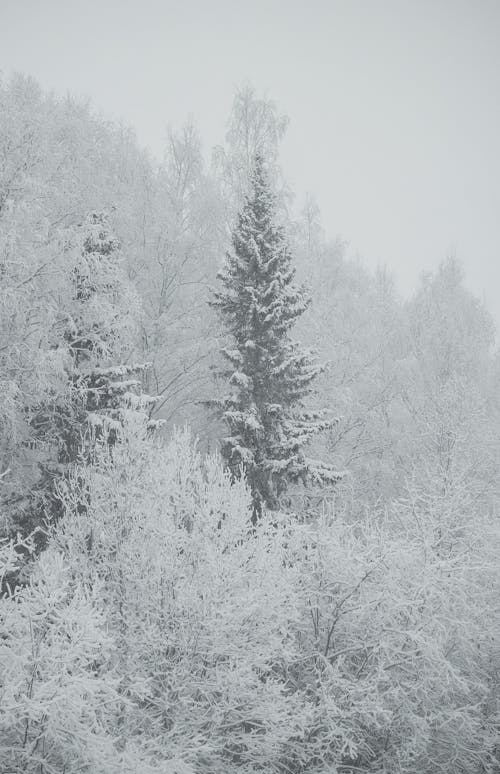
(394, 104)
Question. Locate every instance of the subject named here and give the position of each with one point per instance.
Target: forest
(249, 494)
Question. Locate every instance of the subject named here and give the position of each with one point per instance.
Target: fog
(393, 105)
(249, 485)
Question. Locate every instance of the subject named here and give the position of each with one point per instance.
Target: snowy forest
(249, 495)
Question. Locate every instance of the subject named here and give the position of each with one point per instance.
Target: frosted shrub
(198, 602)
(55, 689)
(398, 638)
(163, 633)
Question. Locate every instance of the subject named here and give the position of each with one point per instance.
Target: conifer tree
(99, 334)
(100, 391)
(269, 374)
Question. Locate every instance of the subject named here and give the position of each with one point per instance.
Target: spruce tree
(101, 391)
(107, 391)
(269, 374)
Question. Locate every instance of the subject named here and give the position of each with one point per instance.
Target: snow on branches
(270, 374)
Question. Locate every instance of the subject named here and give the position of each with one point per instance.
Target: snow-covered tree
(357, 322)
(450, 390)
(269, 373)
(160, 633)
(59, 697)
(101, 329)
(94, 331)
(197, 605)
(255, 127)
(185, 237)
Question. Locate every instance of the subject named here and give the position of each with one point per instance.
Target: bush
(163, 632)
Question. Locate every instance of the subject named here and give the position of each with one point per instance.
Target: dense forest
(249, 495)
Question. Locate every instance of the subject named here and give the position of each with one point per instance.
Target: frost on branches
(96, 324)
(269, 374)
(99, 330)
(160, 634)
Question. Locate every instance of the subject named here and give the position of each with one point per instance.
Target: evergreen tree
(269, 374)
(100, 391)
(100, 333)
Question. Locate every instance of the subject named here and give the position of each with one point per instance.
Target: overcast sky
(394, 104)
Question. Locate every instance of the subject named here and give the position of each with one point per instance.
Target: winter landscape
(249, 480)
